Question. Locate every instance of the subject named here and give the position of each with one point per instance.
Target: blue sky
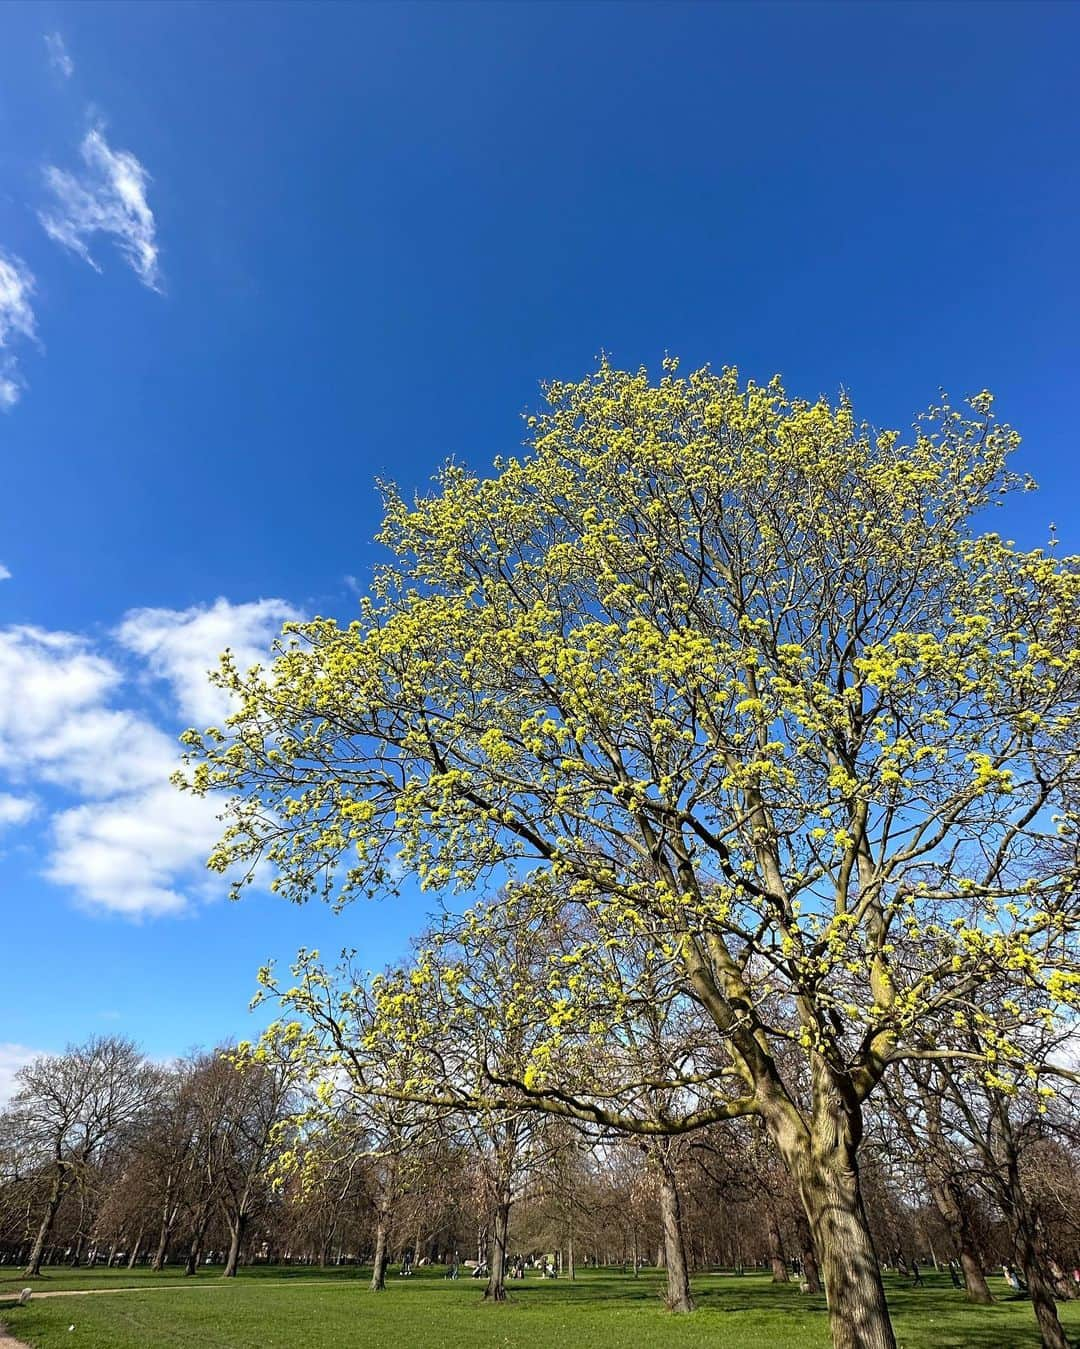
(252, 257)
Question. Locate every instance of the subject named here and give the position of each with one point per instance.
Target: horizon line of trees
(232, 1159)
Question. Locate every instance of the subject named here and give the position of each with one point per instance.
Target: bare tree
(69, 1106)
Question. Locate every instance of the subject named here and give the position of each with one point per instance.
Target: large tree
(731, 669)
(69, 1107)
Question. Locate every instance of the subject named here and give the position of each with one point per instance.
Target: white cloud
(139, 854)
(56, 724)
(108, 198)
(5, 575)
(12, 1058)
(181, 645)
(16, 321)
(59, 57)
(124, 840)
(15, 809)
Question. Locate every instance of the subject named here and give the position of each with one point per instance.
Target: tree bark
(37, 1251)
(496, 1284)
(169, 1211)
(776, 1249)
(382, 1256)
(953, 1209)
(236, 1236)
(1051, 1332)
(808, 1255)
(679, 1298)
(134, 1254)
(1063, 1289)
(158, 1262)
(825, 1169)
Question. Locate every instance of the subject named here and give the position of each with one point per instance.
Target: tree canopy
(731, 675)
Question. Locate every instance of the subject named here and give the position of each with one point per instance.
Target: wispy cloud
(59, 57)
(108, 197)
(15, 809)
(5, 575)
(181, 645)
(16, 322)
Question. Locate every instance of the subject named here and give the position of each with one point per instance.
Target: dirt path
(8, 1341)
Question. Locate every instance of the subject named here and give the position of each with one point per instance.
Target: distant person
(916, 1275)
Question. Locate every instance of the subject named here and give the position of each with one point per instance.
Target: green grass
(62, 1278)
(281, 1309)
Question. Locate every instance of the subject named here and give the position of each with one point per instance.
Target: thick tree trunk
(496, 1284)
(1051, 1332)
(825, 1169)
(37, 1251)
(776, 1249)
(382, 1256)
(236, 1236)
(978, 1290)
(134, 1254)
(679, 1298)
(950, 1204)
(858, 1314)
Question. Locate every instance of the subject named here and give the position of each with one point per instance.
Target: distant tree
(166, 1147)
(999, 1124)
(68, 1107)
(257, 1109)
(922, 1122)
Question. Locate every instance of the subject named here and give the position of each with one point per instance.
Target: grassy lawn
(60, 1278)
(281, 1309)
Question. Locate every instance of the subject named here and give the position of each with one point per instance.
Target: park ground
(603, 1309)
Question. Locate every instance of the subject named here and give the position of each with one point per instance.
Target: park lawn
(59, 1278)
(601, 1310)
